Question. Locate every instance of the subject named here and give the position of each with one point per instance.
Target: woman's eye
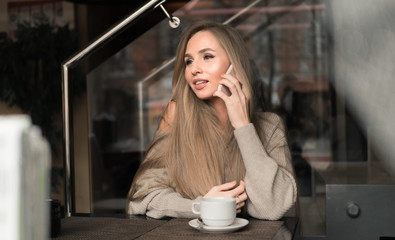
(207, 57)
(188, 61)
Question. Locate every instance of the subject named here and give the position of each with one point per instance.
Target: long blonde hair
(197, 150)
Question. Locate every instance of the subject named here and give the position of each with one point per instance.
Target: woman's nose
(196, 68)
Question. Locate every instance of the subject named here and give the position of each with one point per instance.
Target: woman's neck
(220, 107)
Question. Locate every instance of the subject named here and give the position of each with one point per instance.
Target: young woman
(211, 144)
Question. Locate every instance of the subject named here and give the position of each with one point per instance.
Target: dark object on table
(55, 217)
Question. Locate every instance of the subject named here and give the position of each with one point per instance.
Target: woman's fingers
(221, 190)
(240, 205)
(241, 196)
(238, 190)
(233, 86)
(236, 103)
(235, 83)
(229, 190)
(227, 186)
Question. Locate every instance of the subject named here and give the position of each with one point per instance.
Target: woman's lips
(200, 84)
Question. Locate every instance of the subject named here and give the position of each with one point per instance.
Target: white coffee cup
(216, 211)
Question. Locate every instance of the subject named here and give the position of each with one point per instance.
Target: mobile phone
(224, 88)
(231, 71)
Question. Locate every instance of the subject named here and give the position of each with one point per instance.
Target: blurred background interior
(327, 67)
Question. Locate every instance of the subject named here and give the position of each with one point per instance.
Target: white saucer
(236, 225)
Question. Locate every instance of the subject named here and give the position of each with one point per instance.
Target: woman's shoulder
(269, 118)
(270, 121)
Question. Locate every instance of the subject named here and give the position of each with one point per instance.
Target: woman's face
(205, 62)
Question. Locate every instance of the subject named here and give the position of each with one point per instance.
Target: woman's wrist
(242, 125)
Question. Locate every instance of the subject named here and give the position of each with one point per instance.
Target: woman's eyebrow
(187, 55)
(206, 50)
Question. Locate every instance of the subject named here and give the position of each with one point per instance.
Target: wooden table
(137, 227)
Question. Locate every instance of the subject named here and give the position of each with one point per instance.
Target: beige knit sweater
(269, 180)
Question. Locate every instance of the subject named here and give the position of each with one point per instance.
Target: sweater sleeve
(270, 184)
(159, 197)
(161, 201)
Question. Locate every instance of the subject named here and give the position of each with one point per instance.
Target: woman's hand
(236, 103)
(229, 190)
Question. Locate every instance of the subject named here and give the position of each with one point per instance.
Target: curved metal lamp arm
(65, 90)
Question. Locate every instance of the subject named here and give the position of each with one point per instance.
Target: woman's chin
(204, 96)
